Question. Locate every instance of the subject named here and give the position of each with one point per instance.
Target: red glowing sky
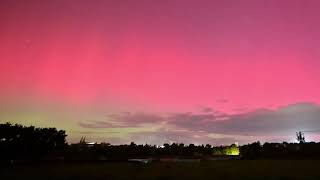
(80, 61)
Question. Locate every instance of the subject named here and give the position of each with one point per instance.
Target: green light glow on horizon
(233, 150)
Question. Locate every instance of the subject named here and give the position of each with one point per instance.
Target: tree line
(302, 150)
(19, 142)
(22, 142)
(106, 151)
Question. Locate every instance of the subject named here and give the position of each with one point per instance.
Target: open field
(241, 169)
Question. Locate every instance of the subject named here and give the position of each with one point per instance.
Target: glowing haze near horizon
(152, 72)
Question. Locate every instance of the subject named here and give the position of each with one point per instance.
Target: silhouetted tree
(300, 137)
(251, 151)
(22, 142)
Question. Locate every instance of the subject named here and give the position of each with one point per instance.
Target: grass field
(241, 169)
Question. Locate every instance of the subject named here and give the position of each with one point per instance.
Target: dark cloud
(291, 118)
(261, 122)
(124, 120)
(190, 120)
(301, 116)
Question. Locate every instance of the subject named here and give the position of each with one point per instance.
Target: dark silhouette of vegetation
(106, 151)
(300, 137)
(283, 150)
(251, 151)
(29, 143)
(19, 142)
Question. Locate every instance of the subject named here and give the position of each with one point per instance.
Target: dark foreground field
(241, 169)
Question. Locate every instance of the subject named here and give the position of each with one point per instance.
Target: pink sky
(78, 61)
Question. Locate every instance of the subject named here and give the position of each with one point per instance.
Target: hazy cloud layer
(180, 136)
(186, 127)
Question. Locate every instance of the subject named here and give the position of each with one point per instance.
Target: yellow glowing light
(232, 150)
